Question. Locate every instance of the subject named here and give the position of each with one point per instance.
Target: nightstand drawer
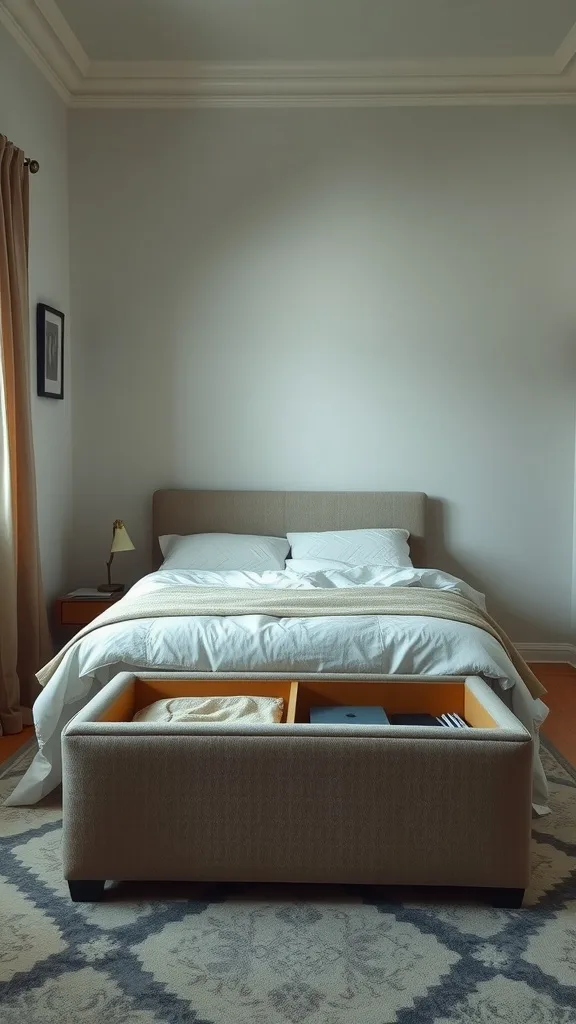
(80, 613)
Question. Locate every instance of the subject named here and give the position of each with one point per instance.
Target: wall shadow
(520, 627)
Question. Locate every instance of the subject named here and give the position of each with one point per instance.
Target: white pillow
(223, 552)
(354, 547)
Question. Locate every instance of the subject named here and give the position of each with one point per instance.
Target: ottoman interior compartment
(437, 698)
(140, 693)
(404, 697)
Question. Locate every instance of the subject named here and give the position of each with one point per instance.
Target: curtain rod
(32, 165)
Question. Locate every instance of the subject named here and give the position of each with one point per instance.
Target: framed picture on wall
(50, 351)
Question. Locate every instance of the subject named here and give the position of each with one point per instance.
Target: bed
(369, 643)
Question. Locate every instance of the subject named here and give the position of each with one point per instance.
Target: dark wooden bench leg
(510, 899)
(86, 892)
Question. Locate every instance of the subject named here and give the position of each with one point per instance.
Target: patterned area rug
(282, 955)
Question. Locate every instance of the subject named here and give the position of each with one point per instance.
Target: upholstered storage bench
(294, 802)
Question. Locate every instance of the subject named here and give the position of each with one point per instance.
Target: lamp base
(111, 588)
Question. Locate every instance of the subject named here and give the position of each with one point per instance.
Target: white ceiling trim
(567, 50)
(310, 85)
(45, 35)
(340, 102)
(386, 69)
(68, 40)
(39, 43)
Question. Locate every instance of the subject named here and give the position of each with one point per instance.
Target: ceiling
(281, 53)
(293, 30)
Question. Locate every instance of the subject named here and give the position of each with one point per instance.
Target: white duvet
(396, 644)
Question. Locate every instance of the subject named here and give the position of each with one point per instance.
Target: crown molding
(68, 40)
(186, 84)
(448, 67)
(28, 41)
(566, 51)
(301, 92)
(45, 35)
(342, 102)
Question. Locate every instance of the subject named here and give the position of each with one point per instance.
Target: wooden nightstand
(77, 613)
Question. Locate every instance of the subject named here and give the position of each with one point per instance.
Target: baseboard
(565, 653)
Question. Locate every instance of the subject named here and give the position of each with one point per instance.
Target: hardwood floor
(10, 744)
(559, 727)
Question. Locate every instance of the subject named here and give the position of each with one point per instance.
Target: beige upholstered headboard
(274, 513)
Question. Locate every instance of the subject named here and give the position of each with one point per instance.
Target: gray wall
(335, 300)
(34, 118)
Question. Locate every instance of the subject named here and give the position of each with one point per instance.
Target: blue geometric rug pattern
(231, 954)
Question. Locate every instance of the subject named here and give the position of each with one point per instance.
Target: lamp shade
(120, 540)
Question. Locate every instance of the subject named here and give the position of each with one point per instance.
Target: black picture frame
(50, 351)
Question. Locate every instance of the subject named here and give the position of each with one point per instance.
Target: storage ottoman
(295, 802)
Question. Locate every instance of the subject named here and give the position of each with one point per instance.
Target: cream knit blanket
(301, 604)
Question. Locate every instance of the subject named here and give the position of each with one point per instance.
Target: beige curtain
(24, 637)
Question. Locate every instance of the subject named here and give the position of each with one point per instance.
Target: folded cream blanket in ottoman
(250, 710)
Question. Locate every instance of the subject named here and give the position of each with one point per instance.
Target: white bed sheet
(395, 644)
